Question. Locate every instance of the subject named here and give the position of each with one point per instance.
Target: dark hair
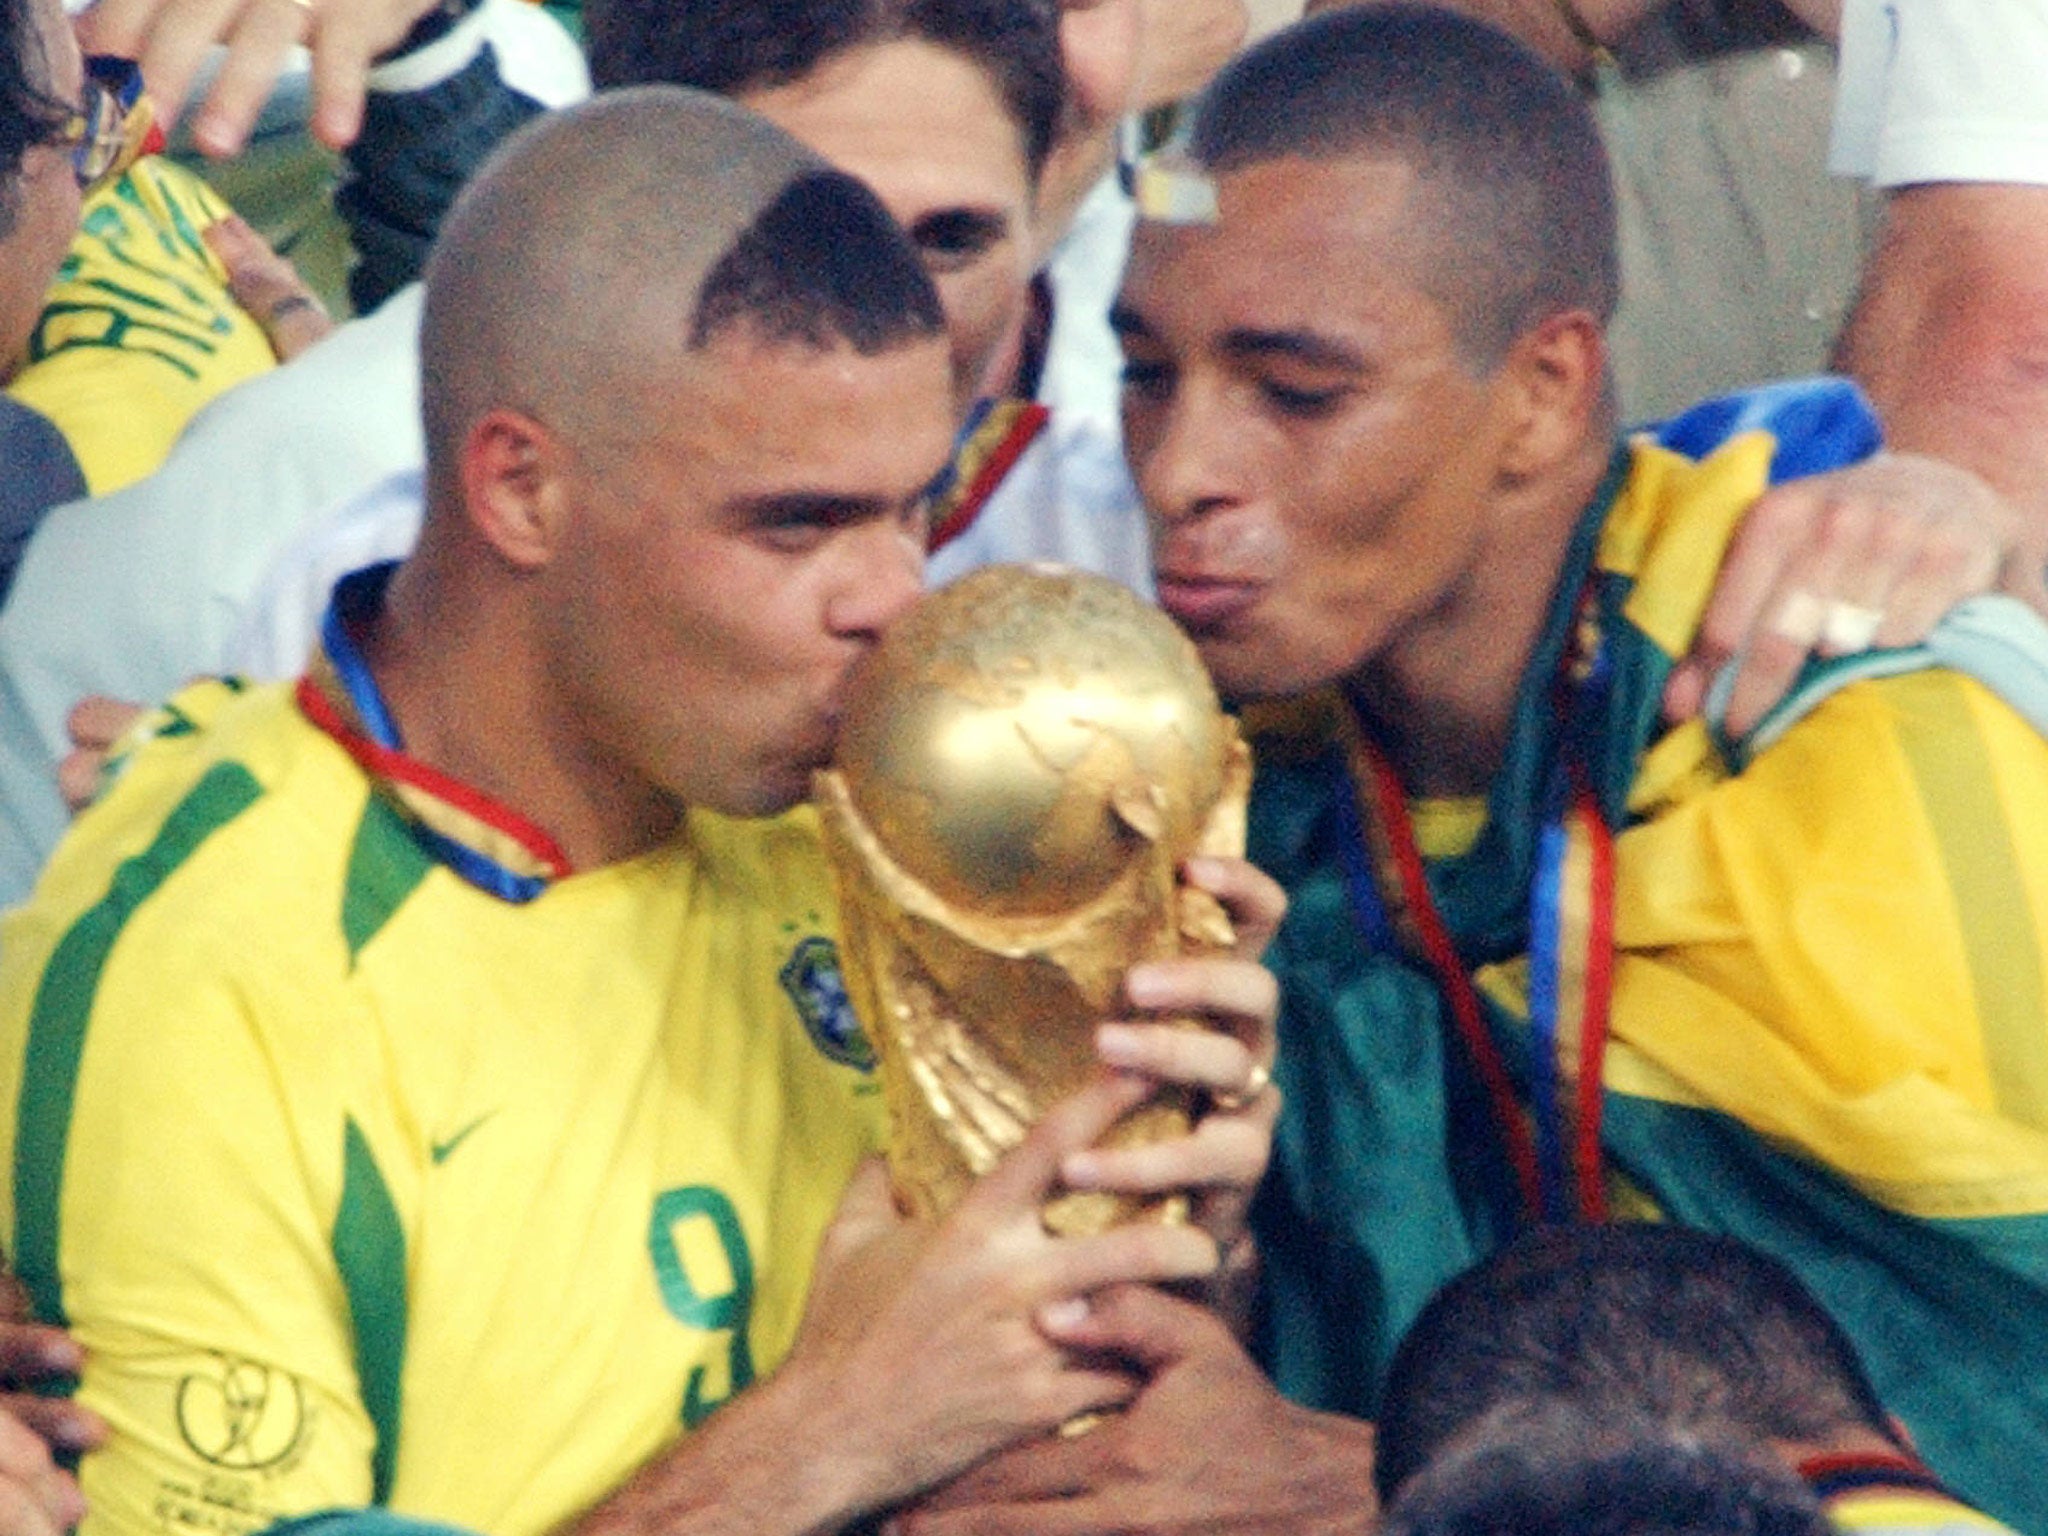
(1556, 1472)
(732, 46)
(1680, 1328)
(823, 263)
(29, 115)
(1517, 201)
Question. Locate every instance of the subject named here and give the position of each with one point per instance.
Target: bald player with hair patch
(428, 1087)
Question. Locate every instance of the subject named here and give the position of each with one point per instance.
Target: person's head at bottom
(1694, 1334)
(1555, 1470)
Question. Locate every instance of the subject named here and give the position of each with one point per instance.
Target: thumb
(866, 1210)
(860, 1263)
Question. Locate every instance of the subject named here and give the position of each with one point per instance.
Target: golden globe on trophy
(1024, 764)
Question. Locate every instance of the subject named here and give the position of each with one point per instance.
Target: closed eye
(1304, 404)
(797, 522)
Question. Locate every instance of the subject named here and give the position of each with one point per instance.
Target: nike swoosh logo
(441, 1151)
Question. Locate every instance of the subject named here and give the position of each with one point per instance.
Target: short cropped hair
(1686, 1329)
(734, 46)
(822, 264)
(1515, 196)
(29, 114)
(1555, 1472)
(604, 240)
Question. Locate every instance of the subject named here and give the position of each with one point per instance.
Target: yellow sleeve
(1843, 947)
(200, 1210)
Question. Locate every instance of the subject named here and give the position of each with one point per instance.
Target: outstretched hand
(171, 39)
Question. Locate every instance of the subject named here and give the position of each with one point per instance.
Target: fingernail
(1143, 987)
(1118, 1045)
(1203, 871)
(59, 1354)
(79, 1431)
(1063, 1316)
(1079, 1170)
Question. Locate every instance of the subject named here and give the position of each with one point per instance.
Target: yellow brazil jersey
(139, 330)
(360, 1183)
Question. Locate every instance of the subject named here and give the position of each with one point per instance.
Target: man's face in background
(44, 200)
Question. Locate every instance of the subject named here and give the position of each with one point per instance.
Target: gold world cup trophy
(1024, 764)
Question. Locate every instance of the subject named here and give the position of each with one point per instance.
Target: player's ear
(515, 485)
(1556, 375)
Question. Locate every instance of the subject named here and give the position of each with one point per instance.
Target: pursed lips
(1201, 600)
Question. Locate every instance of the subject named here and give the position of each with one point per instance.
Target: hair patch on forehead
(822, 263)
(1170, 188)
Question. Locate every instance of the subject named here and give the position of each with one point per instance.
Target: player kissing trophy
(1025, 762)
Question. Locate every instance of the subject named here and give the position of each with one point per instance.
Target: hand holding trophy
(1026, 762)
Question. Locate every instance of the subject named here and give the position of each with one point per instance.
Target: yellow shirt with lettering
(139, 330)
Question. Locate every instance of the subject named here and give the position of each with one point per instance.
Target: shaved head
(603, 242)
(685, 390)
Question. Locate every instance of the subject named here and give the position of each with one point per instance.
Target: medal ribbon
(1571, 980)
(996, 434)
(1557, 1163)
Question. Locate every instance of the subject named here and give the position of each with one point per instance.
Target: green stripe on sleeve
(369, 1249)
(385, 865)
(1951, 763)
(63, 1009)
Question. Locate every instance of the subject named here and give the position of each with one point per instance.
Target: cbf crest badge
(812, 978)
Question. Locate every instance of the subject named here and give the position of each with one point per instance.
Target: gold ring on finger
(1231, 1100)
